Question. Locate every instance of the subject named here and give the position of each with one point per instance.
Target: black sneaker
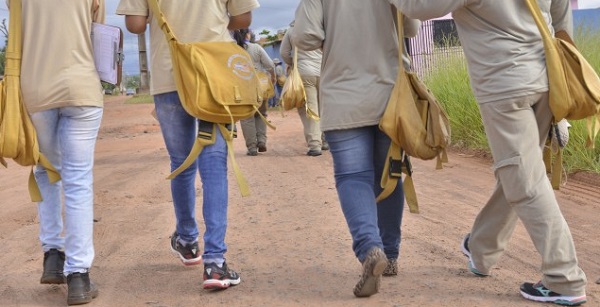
(313, 153)
(81, 290)
(370, 279)
(216, 277)
(465, 249)
(54, 262)
(188, 254)
(539, 293)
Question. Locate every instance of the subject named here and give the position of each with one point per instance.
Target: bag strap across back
(162, 21)
(395, 155)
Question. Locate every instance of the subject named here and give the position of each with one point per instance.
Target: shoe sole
(53, 280)
(467, 254)
(215, 284)
(83, 299)
(369, 285)
(559, 300)
(187, 262)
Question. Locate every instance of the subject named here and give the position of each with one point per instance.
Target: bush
(450, 84)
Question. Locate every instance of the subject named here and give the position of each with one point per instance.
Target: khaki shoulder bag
(417, 125)
(18, 139)
(216, 83)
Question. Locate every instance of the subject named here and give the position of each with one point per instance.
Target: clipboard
(107, 43)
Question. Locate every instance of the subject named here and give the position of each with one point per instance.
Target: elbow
(135, 24)
(307, 43)
(240, 21)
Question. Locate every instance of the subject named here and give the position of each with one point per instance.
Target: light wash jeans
(358, 159)
(179, 130)
(67, 137)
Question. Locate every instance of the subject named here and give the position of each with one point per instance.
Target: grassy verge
(450, 84)
(136, 99)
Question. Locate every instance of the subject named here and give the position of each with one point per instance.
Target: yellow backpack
(216, 83)
(18, 140)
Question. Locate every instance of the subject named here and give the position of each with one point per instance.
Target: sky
(272, 15)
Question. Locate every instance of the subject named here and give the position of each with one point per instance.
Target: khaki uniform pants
(514, 127)
(254, 128)
(312, 128)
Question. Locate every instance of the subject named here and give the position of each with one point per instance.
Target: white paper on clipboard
(107, 44)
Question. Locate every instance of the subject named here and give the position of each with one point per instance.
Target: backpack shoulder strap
(397, 163)
(162, 21)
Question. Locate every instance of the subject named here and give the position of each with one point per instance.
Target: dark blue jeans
(358, 159)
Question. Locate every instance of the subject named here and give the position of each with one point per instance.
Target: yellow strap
(194, 153)
(593, 127)
(34, 190)
(3, 162)
(312, 114)
(410, 194)
(268, 123)
(557, 170)
(389, 183)
(241, 181)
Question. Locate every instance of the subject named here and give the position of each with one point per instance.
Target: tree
(4, 31)
(132, 81)
(270, 38)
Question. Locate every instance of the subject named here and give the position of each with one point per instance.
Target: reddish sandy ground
(288, 240)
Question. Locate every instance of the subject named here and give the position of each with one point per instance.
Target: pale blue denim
(67, 137)
(358, 158)
(179, 130)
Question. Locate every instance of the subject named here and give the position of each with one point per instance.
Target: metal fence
(436, 43)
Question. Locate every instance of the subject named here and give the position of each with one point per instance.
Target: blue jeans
(358, 160)
(67, 137)
(179, 130)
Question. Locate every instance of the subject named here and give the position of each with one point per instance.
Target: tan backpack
(417, 125)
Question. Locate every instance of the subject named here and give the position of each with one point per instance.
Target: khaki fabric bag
(292, 94)
(18, 139)
(574, 86)
(266, 86)
(216, 83)
(417, 125)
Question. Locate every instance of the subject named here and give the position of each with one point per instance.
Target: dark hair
(240, 37)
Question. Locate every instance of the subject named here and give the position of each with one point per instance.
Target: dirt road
(288, 240)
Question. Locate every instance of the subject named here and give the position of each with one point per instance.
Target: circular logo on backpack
(241, 66)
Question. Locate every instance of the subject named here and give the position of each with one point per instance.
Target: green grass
(450, 84)
(137, 99)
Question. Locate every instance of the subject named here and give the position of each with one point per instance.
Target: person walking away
(64, 99)
(512, 91)
(254, 128)
(192, 21)
(309, 67)
(280, 80)
(353, 96)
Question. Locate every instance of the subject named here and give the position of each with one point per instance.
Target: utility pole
(143, 59)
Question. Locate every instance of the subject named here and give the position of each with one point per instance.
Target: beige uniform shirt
(259, 57)
(58, 67)
(502, 44)
(309, 62)
(191, 21)
(360, 57)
